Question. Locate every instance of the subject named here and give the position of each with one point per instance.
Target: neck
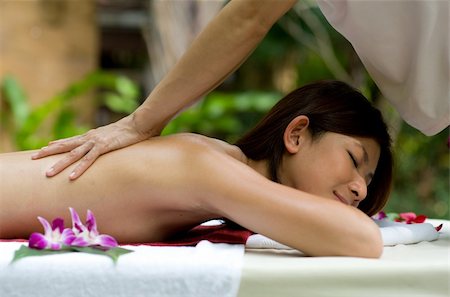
(260, 166)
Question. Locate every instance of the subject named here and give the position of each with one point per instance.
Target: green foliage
(224, 115)
(113, 253)
(421, 179)
(23, 122)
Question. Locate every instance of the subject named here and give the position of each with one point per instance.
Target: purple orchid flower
(54, 237)
(88, 235)
(380, 216)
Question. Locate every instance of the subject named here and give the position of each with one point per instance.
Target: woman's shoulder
(202, 145)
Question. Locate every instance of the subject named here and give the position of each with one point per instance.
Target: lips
(340, 198)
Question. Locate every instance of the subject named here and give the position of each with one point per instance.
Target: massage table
(413, 270)
(219, 269)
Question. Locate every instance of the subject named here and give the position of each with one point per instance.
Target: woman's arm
(221, 48)
(315, 225)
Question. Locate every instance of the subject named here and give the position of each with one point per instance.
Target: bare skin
(156, 188)
(134, 193)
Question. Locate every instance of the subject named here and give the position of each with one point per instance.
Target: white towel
(393, 233)
(202, 271)
(258, 241)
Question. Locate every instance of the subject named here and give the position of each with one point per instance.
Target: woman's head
(327, 106)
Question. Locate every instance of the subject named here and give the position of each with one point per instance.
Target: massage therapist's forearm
(222, 47)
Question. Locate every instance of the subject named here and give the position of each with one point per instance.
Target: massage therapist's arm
(221, 48)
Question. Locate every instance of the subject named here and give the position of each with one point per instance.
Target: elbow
(374, 251)
(377, 247)
(250, 24)
(363, 241)
(257, 17)
(366, 240)
(370, 244)
(365, 244)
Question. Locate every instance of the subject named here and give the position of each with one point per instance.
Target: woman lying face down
(315, 114)
(304, 176)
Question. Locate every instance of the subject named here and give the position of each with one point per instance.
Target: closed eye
(353, 160)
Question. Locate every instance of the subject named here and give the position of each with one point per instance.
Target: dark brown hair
(331, 106)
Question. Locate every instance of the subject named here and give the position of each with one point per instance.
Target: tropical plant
(224, 115)
(23, 122)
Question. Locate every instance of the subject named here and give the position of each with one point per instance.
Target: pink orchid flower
(88, 235)
(54, 237)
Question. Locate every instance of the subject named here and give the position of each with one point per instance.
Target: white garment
(404, 46)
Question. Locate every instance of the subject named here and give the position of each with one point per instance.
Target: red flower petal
(407, 216)
(420, 219)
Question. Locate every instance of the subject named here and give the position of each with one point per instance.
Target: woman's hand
(89, 146)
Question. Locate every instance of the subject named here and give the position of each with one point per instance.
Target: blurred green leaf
(126, 88)
(65, 125)
(113, 253)
(224, 115)
(120, 104)
(16, 98)
(120, 95)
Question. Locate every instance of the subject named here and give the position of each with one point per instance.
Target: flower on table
(56, 237)
(380, 216)
(403, 217)
(80, 238)
(410, 218)
(88, 235)
(438, 228)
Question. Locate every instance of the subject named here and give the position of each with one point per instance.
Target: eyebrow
(366, 155)
(366, 159)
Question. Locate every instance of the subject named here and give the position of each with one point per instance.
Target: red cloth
(13, 240)
(216, 234)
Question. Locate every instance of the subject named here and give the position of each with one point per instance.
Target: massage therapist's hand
(89, 146)
(221, 47)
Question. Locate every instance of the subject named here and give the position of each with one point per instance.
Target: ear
(295, 133)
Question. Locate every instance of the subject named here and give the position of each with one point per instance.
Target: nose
(358, 188)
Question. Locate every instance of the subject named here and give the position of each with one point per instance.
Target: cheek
(314, 178)
(340, 169)
(323, 175)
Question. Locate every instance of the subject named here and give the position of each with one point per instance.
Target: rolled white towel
(392, 233)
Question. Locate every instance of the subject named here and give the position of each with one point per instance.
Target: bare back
(141, 193)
